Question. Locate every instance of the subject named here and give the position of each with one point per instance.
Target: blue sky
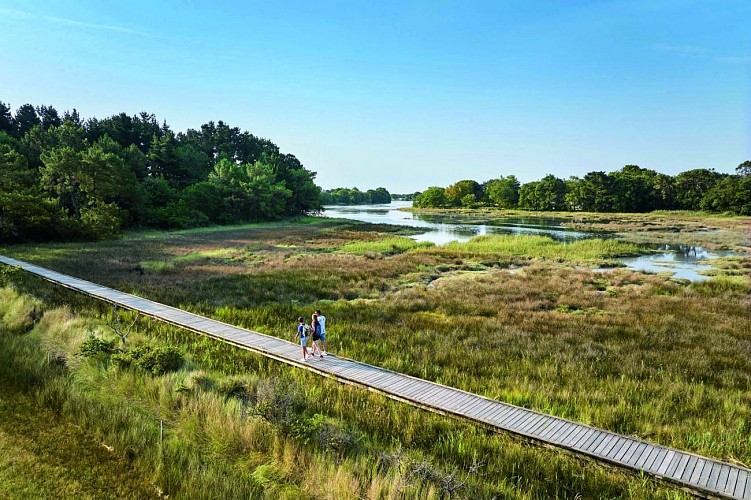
(408, 94)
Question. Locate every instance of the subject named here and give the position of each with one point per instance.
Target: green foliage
(96, 346)
(433, 197)
(75, 180)
(548, 194)
(155, 360)
(631, 189)
(503, 192)
(353, 196)
(692, 185)
(464, 193)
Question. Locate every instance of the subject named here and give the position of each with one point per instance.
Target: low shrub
(95, 346)
(156, 360)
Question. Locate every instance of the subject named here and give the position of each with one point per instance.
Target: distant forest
(353, 196)
(65, 178)
(631, 189)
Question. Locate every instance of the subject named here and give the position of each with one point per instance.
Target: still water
(682, 261)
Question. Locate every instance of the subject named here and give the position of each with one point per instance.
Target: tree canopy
(630, 189)
(63, 178)
(353, 196)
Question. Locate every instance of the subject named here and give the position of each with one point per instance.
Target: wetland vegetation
(510, 317)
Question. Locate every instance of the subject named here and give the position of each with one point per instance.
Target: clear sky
(406, 94)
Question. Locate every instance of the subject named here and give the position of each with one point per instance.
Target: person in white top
(322, 322)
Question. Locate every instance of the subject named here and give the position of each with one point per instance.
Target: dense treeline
(631, 189)
(65, 178)
(353, 196)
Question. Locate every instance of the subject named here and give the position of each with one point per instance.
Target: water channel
(685, 262)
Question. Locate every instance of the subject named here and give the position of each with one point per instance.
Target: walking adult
(316, 327)
(322, 323)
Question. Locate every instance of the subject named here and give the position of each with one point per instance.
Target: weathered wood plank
(563, 433)
(531, 423)
(700, 464)
(648, 455)
(731, 481)
(714, 477)
(740, 485)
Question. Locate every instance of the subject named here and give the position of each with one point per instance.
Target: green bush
(94, 346)
(156, 360)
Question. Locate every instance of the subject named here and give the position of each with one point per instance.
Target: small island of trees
(353, 196)
(631, 189)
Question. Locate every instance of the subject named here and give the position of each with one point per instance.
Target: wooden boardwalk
(703, 476)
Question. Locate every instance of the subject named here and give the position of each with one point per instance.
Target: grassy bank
(43, 457)
(239, 426)
(639, 354)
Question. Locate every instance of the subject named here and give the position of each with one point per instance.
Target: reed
(220, 441)
(525, 321)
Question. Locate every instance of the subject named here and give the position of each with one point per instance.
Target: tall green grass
(385, 246)
(638, 354)
(541, 247)
(225, 435)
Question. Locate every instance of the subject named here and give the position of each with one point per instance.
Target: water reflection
(682, 261)
(454, 227)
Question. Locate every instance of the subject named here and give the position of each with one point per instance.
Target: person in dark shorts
(316, 327)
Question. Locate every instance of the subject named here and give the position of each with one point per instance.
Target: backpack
(305, 330)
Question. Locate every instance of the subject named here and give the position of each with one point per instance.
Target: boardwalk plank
(532, 423)
(700, 464)
(731, 482)
(740, 485)
(545, 425)
(550, 429)
(586, 435)
(663, 461)
(502, 411)
(479, 407)
(635, 453)
(682, 466)
(513, 420)
(574, 437)
(714, 476)
(655, 464)
(604, 444)
(615, 447)
(496, 408)
(563, 433)
(471, 406)
(490, 409)
(644, 460)
(594, 438)
(722, 479)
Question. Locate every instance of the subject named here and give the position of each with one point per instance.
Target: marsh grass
(713, 231)
(635, 353)
(385, 246)
(532, 246)
(252, 428)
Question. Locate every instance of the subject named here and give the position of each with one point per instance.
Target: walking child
(303, 332)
